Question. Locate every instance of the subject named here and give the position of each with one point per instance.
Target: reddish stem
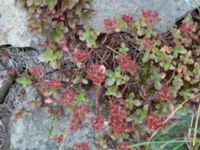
(97, 99)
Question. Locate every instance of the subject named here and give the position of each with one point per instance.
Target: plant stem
(97, 99)
(54, 117)
(113, 50)
(64, 138)
(196, 125)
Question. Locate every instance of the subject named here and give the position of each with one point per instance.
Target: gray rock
(2, 134)
(170, 10)
(31, 133)
(20, 58)
(3, 86)
(13, 102)
(13, 26)
(5, 116)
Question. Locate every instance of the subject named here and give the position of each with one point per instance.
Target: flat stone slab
(170, 10)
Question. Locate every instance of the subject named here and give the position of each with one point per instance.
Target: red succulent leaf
(110, 25)
(186, 28)
(81, 146)
(126, 63)
(97, 123)
(79, 56)
(117, 116)
(147, 44)
(79, 114)
(63, 45)
(151, 17)
(164, 94)
(154, 122)
(128, 19)
(96, 73)
(35, 70)
(58, 138)
(55, 84)
(68, 98)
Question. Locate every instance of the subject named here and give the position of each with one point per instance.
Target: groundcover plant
(146, 84)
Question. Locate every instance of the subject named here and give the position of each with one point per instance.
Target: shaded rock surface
(170, 10)
(4, 87)
(14, 59)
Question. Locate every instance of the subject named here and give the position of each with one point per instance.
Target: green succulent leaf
(81, 98)
(70, 3)
(57, 36)
(84, 81)
(123, 48)
(76, 80)
(109, 73)
(126, 78)
(30, 2)
(51, 3)
(146, 57)
(196, 70)
(122, 24)
(50, 56)
(110, 81)
(112, 91)
(157, 85)
(24, 81)
(90, 36)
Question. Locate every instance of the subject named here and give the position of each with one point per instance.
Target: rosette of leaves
(37, 26)
(164, 60)
(132, 101)
(24, 81)
(58, 31)
(140, 28)
(177, 84)
(185, 35)
(162, 108)
(52, 57)
(155, 75)
(81, 98)
(80, 79)
(147, 55)
(114, 79)
(76, 11)
(123, 48)
(46, 13)
(90, 36)
(34, 4)
(196, 71)
(138, 115)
